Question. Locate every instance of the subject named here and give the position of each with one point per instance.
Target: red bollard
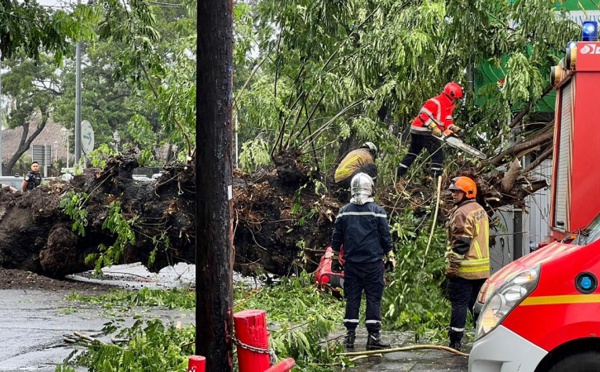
(197, 363)
(251, 330)
(283, 366)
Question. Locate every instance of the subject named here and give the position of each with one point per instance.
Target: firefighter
(467, 256)
(435, 117)
(361, 227)
(360, 160)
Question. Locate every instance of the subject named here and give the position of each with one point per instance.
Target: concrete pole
(68, 149)
(1, 111)
(45, 160)
(78, 99)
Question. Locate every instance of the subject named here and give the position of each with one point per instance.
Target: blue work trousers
(367, 277)
(462, 294)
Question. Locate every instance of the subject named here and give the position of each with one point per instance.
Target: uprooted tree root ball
(36, 235)
(281, 226)
(283, 216)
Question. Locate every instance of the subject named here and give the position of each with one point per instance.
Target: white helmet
(362, 184)
(371, 146)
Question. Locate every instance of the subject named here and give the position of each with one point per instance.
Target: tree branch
(517, 119)
(496, 160)
(543, 156)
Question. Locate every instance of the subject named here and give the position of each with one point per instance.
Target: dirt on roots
(27, 280)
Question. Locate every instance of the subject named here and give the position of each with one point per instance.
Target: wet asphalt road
(33, 324)
(421, 360)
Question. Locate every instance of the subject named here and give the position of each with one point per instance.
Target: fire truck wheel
(583, 362)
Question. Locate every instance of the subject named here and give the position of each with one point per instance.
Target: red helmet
(466, 185)
(453, 90)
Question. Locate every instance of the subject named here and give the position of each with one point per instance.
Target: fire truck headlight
(506, 298)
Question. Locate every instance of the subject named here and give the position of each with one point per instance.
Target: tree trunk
(508, 182)
(25, 142)
(214, 243)
(545, 135)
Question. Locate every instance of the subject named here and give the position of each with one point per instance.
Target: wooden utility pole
(214, 238)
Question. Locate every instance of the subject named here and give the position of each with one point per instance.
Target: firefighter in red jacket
(435, 117)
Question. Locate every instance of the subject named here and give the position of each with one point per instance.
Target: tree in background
(357, 70)
(32, 88)
(158, 61)
(138, 98)
(30, 28)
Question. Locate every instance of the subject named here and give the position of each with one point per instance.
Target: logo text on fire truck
(590, 49)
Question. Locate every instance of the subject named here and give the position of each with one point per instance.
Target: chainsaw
(330, 274)
(450, 138)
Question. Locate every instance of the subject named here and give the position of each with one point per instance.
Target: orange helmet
(466, 185)
(453, 90)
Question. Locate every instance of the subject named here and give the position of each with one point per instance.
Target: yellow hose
(437, 207)
(362, 354)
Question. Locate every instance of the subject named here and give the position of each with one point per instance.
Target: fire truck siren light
(589, 31)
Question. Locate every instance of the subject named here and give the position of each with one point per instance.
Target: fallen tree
(117, 219)
(284, 221)
(283, 216)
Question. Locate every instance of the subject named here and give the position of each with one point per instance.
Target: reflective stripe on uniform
(457, 329)
(427, 112)
(475, 262)
(362, 214)
(439, 115)
(469, 267)
(476, 243)
(372, 322)
(349, 166)
(424, 129)
(350, 320)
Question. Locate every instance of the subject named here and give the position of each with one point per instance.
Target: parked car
(13, 181)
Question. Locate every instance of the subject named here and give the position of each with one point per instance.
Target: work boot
(349, 339)
(455, 345)
(374, 342)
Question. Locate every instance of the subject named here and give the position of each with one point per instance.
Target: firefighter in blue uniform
(361, 227)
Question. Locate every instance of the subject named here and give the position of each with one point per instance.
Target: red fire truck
(541, 313)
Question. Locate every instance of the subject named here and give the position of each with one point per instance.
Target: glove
(456, 129)
(390, 263)
(453, 260)
(451, 271)
(435, 130)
